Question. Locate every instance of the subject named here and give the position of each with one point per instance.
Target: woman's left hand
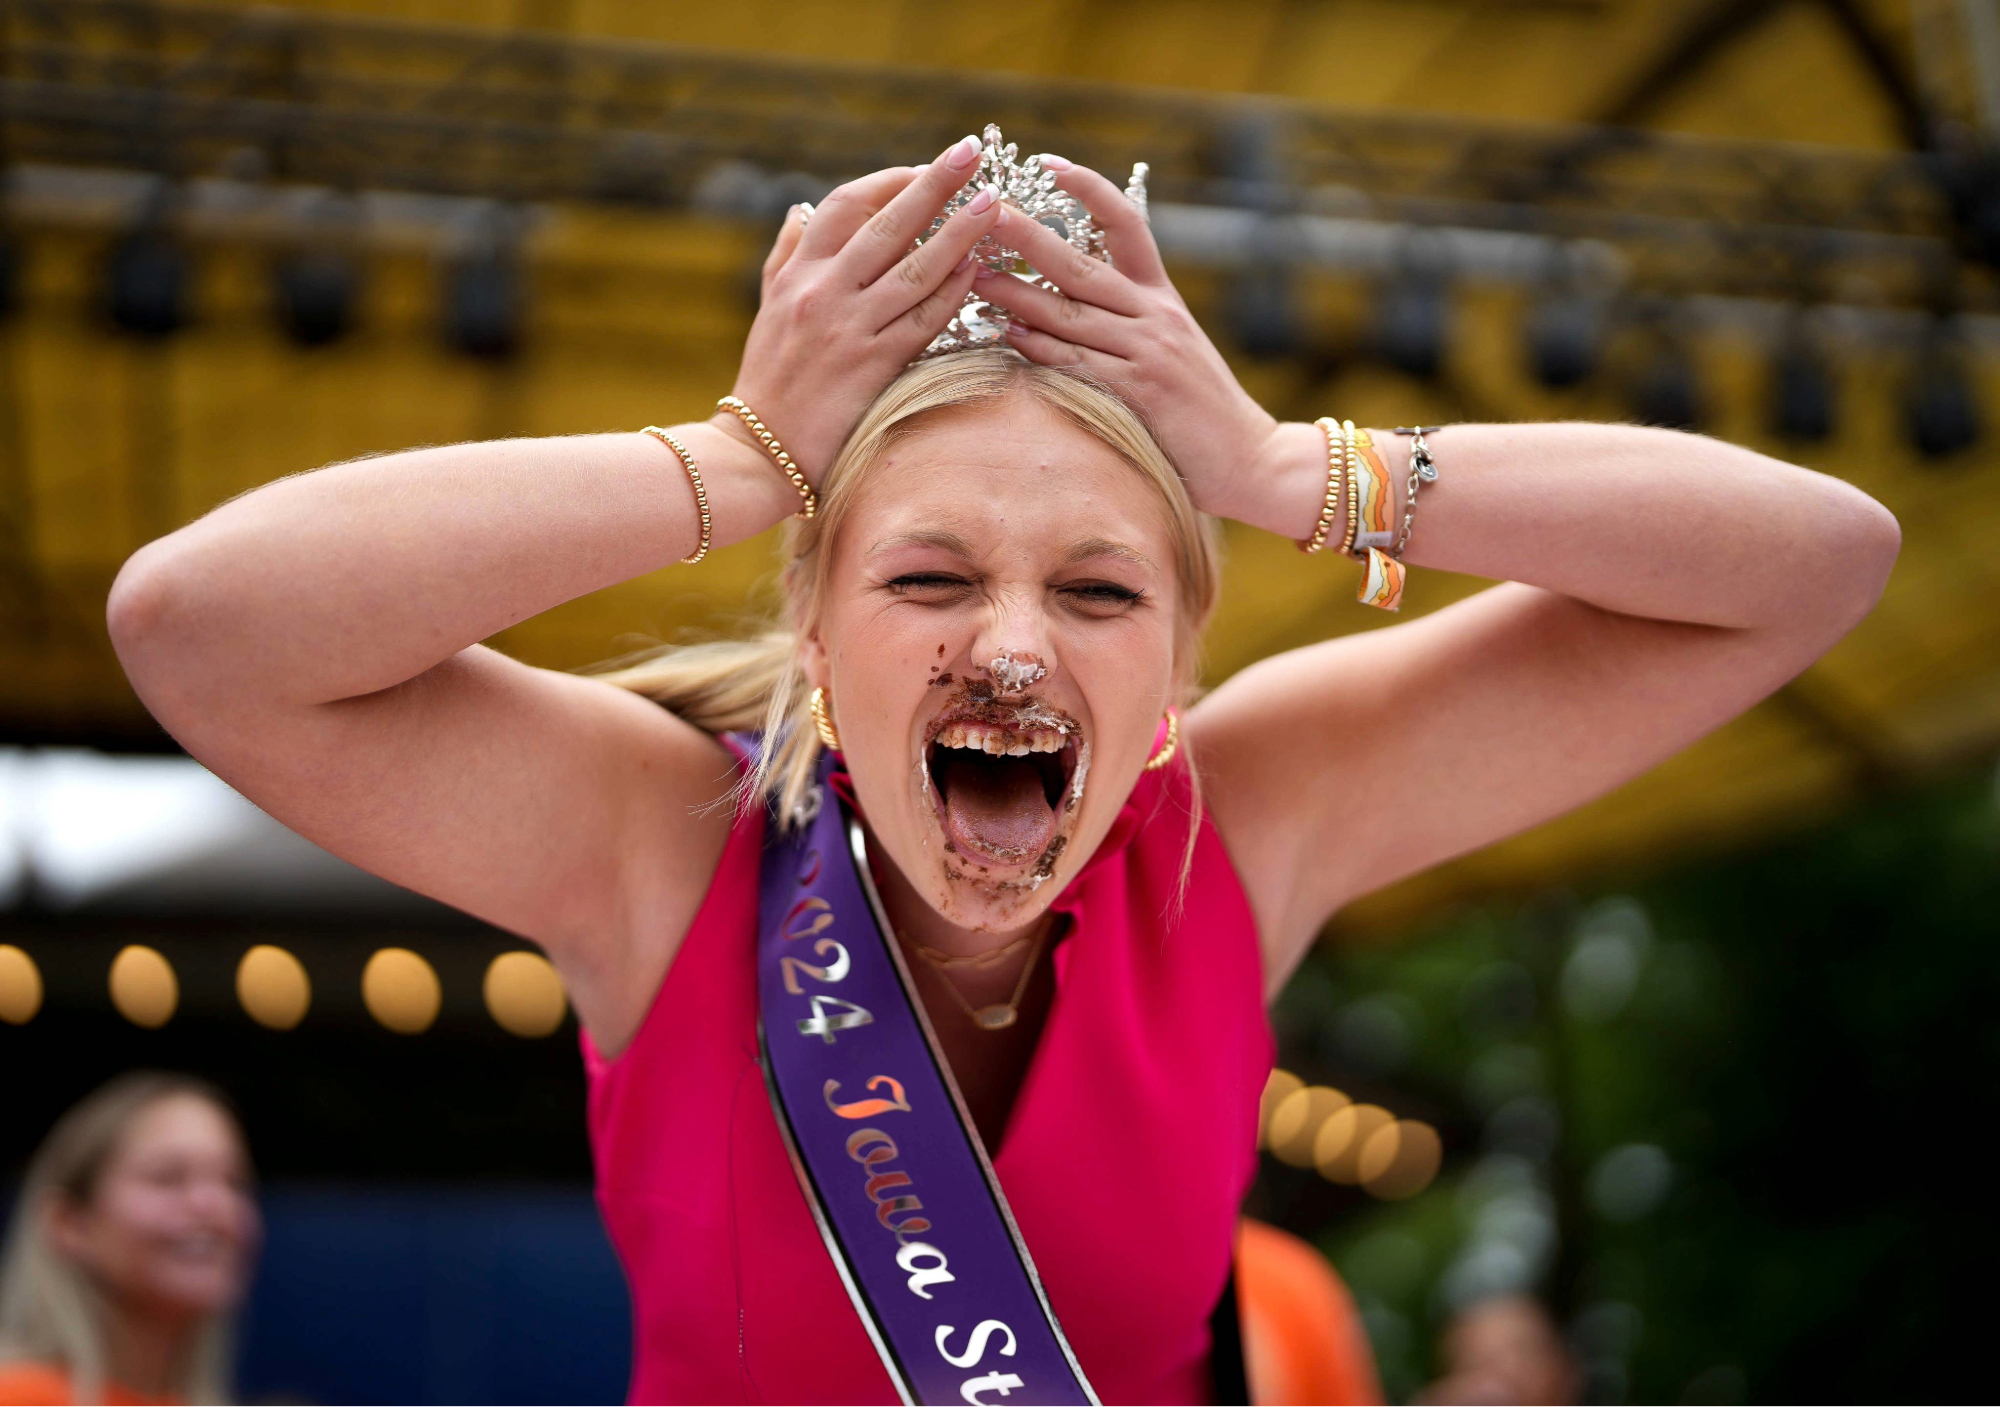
(1125, 323)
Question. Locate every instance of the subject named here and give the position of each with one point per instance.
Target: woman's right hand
(848, 302)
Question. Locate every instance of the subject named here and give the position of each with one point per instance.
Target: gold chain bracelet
(694, 477)
(807, 498)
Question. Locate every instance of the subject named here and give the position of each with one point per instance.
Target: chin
(1001, 786)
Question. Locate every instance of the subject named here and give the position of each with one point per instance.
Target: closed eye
(1104, 593)
(926, 582)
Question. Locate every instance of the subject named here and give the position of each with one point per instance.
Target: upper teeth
(1001, 742)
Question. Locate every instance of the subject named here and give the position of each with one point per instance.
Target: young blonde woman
(994, 608)
(130, 1247)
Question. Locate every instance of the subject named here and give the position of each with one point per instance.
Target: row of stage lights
(1356, 1145)
(1566, 342)
(401, 990)
(316, 292)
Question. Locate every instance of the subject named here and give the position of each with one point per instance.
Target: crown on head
(1029, 188)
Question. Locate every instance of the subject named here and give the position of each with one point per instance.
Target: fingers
(847, 208)
(912, 332)
(887, 236)
(1084, 324)
(916, 276)
(789, 233)
(1126, 232)
(1038, 346)
(1078, 275)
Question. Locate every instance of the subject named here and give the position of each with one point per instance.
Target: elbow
(142, 610)
(1863, 541)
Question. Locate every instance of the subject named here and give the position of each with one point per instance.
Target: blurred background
(1701, 1067)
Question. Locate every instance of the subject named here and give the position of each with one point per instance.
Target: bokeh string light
(143, 986)
(401, 991)
(1364, 1145)
(273, 987)
(524, 994)
(522, 991)
(20, 986)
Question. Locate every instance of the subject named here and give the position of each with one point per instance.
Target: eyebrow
(1104, 547)
(944, 541)
(951, 542)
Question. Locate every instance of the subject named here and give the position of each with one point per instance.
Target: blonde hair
(731, 685)
(50, 1311)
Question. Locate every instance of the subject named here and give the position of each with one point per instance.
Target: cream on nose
(1015, 670)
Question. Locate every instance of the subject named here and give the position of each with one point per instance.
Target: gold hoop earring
(823, 722)
(1166, 754)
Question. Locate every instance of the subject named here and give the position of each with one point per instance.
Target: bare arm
(315, 641)
(1661, 584)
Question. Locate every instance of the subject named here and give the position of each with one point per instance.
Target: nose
(1015, 647)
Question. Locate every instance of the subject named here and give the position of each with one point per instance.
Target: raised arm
(315, 642)
(1659, 584)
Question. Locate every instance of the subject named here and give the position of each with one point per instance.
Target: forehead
(178, 1123)
(1012, 474)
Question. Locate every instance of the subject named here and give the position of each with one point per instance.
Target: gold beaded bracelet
(1331, 429)
(807, 497)
(694, 477)
(1353, 456)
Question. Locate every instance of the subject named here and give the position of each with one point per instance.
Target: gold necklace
(1000, 1015)
(942, 959)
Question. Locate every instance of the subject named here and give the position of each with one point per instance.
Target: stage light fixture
(1565, 334)
(1263, 312)
(1940, 410)
(482, 306)
(1972, 182)
(1412, 324)
(316, 293)
(1802, 393)
(1668, 393)
(146, 283)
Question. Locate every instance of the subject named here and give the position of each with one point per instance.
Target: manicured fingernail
(963, 154)
(964, 261)
(1052, 162)
(980, 201)
(983, 274)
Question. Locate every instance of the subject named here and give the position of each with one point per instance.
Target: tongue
(995, 805)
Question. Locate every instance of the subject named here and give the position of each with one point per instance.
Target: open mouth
(1001, 784)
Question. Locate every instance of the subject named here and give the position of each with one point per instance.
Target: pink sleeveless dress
(1129, 1148)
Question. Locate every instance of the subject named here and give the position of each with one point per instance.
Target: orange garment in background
(32, 1384)
(1302, 1337)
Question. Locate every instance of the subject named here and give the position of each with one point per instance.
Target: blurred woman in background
(129, 1250)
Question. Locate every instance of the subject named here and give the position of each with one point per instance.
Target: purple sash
(885, 1152)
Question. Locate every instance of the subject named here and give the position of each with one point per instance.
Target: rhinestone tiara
(1029, 188)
